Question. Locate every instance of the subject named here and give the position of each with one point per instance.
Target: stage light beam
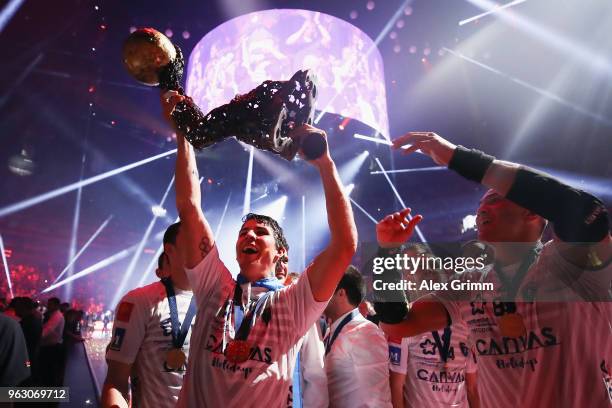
(130, 269)
(363, 210)
(415, 170)
(8, 12)
(399, 198)
(548, 36)
(83, 248)
(246, 206)
(218, 229)
(303, 265)
(540, 91)
(6, 268)
(100, 264)
(75, 228)
(349, 170)
(498, 8)
(93, 268)
(22, 205)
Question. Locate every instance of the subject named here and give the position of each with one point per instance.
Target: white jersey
(563, 359)
(357, 365)
(265, 378)
(313, 381)
(142, 335)
(430, 382)
(53, 329)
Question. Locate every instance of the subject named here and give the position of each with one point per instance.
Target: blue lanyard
(344, 322)
(443, 344)
(179, 331)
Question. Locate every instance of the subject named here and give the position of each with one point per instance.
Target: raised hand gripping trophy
(263, 117)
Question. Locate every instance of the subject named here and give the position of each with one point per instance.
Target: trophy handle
(313, 146)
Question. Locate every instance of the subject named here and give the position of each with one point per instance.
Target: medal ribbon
(344, 322)
(245, 318)
(444, 343)
(511, 286)
(179, 331)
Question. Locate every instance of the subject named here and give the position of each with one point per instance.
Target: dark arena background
(87, 161)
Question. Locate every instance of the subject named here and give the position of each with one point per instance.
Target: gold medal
(238, 351)
(512, 325)
(175, 359)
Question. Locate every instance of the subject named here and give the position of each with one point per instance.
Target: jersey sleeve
(555, 279)
(129, 328)
(314, 378)
(398, 355)
(300, 309)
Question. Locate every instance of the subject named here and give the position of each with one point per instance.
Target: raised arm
(577, 216)
(196, 236)
(327, 269)
(426, 314)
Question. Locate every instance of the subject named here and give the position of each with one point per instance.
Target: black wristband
(470, 163)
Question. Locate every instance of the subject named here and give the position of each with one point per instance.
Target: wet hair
(279, 235)
(353, 284)
(171, 233)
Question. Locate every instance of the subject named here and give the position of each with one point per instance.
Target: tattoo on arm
(205, 246)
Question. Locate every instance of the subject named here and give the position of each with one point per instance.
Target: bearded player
(542, 338)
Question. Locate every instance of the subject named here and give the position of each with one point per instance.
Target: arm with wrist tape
(577, 216)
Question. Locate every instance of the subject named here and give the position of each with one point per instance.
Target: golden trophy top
(145, 52)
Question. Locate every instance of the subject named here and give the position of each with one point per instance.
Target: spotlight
(349, 189)
(275, 209)
(158, 211)
(349, 170)
(21, 164)
(468, 223)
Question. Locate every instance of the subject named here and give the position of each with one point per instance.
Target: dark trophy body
(263, 117)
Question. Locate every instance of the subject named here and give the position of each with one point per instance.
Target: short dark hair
(162, 260)
(24, 302)
(279, 235)
(171, 233)
(353, 284)
(54, 300)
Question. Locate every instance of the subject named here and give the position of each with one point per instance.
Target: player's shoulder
(360, 326)
(146, 295)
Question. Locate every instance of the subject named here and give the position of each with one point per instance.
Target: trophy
(263, 117)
